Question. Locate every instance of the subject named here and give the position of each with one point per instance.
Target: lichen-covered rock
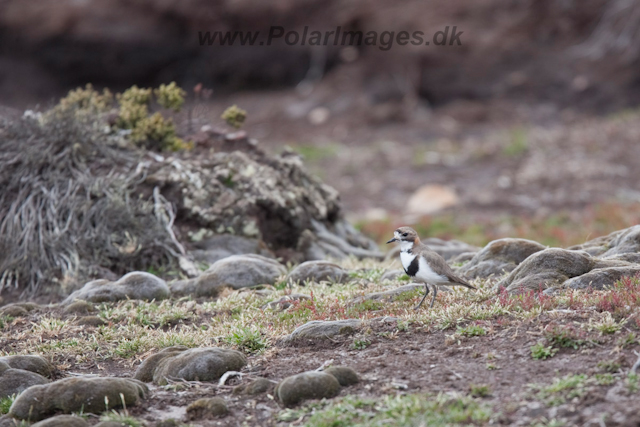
(243, 191)
(285, 301)
(211, 407)
(236, 272)
(631, 257)
(257, 386)
(601, 278)
(135, 285)
(318, 271)
(199, 364)
(626, 241)
(448, 249)
(391, 294)
(15, 381)
(62, 421)
(29, 362)
(146, 369)
(547, 268)
(307, 385)
(345, 375)
(77, 394)
(318, 329)
(499, 257)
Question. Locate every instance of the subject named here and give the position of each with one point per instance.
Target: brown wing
(440, 265)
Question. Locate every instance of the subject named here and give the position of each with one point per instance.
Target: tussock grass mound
(67, 204)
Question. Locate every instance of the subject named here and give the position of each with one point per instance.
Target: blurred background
(529, 128)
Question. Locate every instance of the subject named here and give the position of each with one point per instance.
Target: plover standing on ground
(423, 264)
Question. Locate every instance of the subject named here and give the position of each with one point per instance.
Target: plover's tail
(459, 281)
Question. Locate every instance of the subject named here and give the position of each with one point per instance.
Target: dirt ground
(438, 352)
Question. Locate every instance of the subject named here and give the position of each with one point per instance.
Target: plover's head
(405, 235)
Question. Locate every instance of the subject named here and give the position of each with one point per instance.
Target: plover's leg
(426, 292)
(435, 292)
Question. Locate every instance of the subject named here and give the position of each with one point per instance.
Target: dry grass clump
(67, 203)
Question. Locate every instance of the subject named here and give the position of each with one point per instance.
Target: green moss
(234, 116)
(87, 100)
(170, 96)
(135, 96)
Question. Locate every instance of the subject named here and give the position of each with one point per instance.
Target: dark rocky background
(532, 115)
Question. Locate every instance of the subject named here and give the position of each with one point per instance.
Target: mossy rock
(77, 394)
(235, 272)
(146, 369)
(345, 375)
(29, 362)
(318, 271)
(80, 307)
(199, 364)
(15, 381)
(212, 407)
(257, 386)
(499, 257)
(547, 268)
(307, 385)
(138, 285)
(62, 421)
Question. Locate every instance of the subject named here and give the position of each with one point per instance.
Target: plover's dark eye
(405, 234)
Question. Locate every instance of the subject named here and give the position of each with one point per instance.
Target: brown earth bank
(533, 50)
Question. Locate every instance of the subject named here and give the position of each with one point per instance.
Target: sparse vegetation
(360, 344)
(123, 418)
(479, 390)
(562, 389)
(565, 336)
(247, 338)
(471, 331)
(237, 320)
(540, 352)
(405, 411)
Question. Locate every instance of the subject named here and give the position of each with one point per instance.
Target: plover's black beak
(392, 240)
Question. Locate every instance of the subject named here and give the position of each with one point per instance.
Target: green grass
(610, 366)
(604, 379)
(565, 337)
(471, 331)
(632, 383)
(408, 410)
(122, 418)
(479, 390)
(518, 143)
(562, 389)
(360, 344)
(248, 339)
(5, 404)
(540, 352)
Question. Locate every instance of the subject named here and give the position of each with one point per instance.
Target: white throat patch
(406, 246)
